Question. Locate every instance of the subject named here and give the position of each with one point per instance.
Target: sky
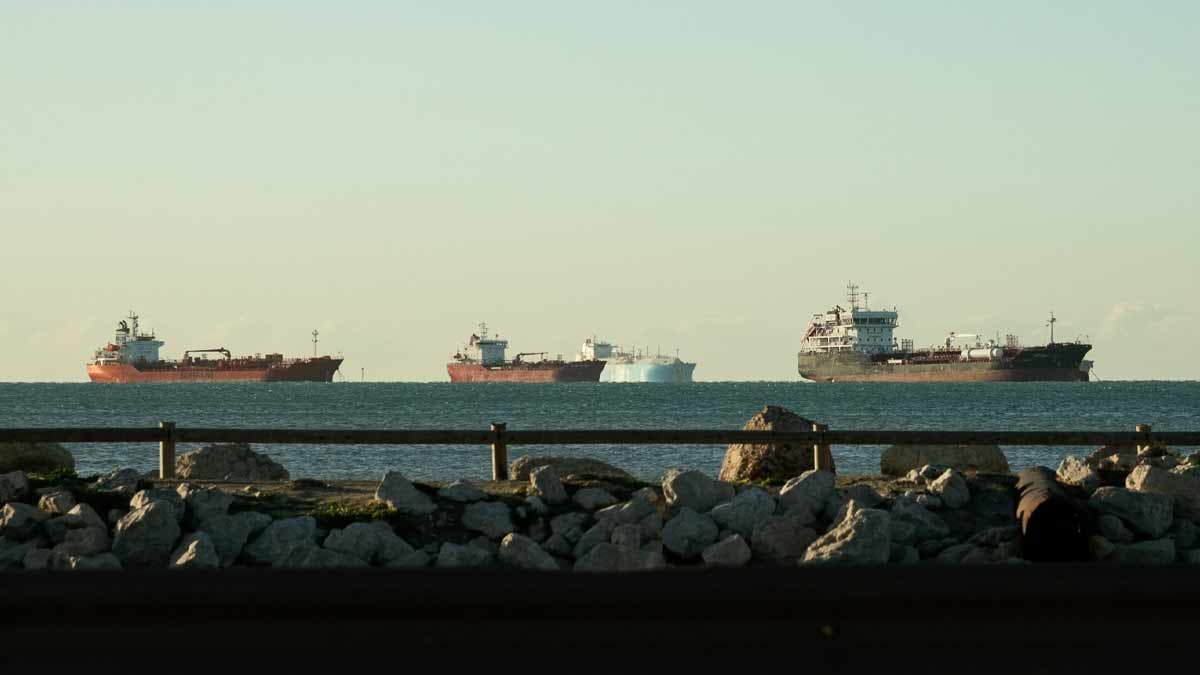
(699, 176)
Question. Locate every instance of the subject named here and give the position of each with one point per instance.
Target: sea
(1115, 406)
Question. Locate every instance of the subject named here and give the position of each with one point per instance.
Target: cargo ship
(132, 357)
(857, 345)
(483, 360)
(636, 365)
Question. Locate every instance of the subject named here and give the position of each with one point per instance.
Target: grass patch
(342, 513)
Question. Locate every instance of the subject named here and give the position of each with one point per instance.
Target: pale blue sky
(695, 175)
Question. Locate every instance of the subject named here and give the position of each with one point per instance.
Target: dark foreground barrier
(961, 619)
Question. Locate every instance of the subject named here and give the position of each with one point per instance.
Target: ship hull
(306, 370)
(667, 373)
(575, 371)
(1058, 363)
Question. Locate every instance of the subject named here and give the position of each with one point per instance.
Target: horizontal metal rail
(590, 436)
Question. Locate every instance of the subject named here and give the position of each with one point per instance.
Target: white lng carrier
(636, 365)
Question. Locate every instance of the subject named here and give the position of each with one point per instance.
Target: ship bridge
(858, 328)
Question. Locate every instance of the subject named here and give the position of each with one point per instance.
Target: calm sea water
(1169, 406)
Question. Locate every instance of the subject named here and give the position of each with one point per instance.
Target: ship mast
(315, 333)
(852, 295)
(1051, 323)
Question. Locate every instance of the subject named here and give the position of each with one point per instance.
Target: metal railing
(499, 437)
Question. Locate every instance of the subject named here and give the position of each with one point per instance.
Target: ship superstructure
(133, 356)
(857, 344)
(636, 365)
(483, 360)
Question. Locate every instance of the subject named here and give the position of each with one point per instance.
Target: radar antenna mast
(1051, 323)
(315, 333)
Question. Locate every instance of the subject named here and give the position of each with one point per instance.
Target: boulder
(546, 484)
(781, 539)
(59, 501)
(1186, 533)
(652, 526)
(746, 510)
(195, 551)
(121, 482)
(931, 502)
(811, 489)
(13, 486)
(568, 467)
(689, 533)
(1073, 470)
(598, 534)
(230, 462)
(866, 495)
(694, 490)
(557, 544)
(1099, 547)
(492, 519)
(640, 505)
(307, 555)
(83, 542)
(627, 535)
(1146, 513)
(12, 554)
(20, 521)
(360, 540)
(593, 498)
(34, 458)
(205, 503)
(146, 536)
(733, 551)
(537, 505)
(771, 462)
(1112, 529)
(455, 555)
(1154, 552)
(104, 561)
(927, 524)
(171, 497)
(461, 491)
(901, 532)
(606, 557)
(399, 493)
(898, 460)
(36, 559)
(394, 551)
(271, 546)
(863, 537)
(522, 552)
(229, 533)
(412, 560)
(83, 515)
(569, 525)
(952, 489)
(1184, 490)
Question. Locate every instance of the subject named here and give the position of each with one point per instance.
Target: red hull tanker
(483, 361)
(132, 357)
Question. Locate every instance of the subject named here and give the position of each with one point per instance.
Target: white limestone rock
(492, 519)
(146, 536)
(811, 489)
(746, 510)
(952, 488)
(205, 503)
(688, 533)
(399, 493)
(927, 525)
(455, 555)
(1074, 470)
(229, 533)
(171, 497)
(545, 482)
(461, 491)
(1184, 490)
(593, 498)
(272, 545)
(606, 557)
(733, 551)
(57, 502)
(121, 481)
(863, 537)
(781, 539)
(627, 535)
(85, 542)
(694, 490)
(522, 552)
(195, 551)
(1146, 513)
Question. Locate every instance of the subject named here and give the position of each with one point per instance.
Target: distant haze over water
(1116, 406)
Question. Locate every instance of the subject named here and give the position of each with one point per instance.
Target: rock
(121, 482)
(952, 489)
(994, 537)
(900, 459)
(627, 535)
(1073, 470)
(229, 533)
(104, 561)
(461, 491)
(12, 554)
(195, 551)
(34, 458)
(360, 540)
(569, 525)
(1155, 552)
(689, 533)
(1184, 490)
(1186, 533)
(545, 482)
(171, 497)
(399, 493)
(1099, 547)
(863, 537)
(146, 536)
(493, 519)
(536, 505)
(13, 486)
(83, 542)
(1145, 513)
(59, 501)
(20, 521)
(606, 557)
(931, 502)
(901, 532)
(229, 462)
(271, 546)
(580, 467)
(558, 545)
(732, 551)
(638, 507)
(864, 494)
(772, 462)
(993, 499)
(593, 498)
(694, 490)
(746, 510)
(928, 525)
(598, 534)
(1190, 557)
(410, 561)
(393, 550)
(811, 489)
(652, 526)
(1112, 529)
(453, 555)
(953, 555)
(205, 503)
(36, 559)
(307, 555)
(523, 552)
(781, 539)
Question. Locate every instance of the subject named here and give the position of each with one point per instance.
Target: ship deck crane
(219, 350)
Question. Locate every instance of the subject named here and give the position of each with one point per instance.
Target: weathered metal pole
(166, 451)
(499, 453)
(1143, 429)
(822, 455)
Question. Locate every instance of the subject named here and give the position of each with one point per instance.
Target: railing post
(499, 453)
(166, 451)
(822, 455)
(1143, 429)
